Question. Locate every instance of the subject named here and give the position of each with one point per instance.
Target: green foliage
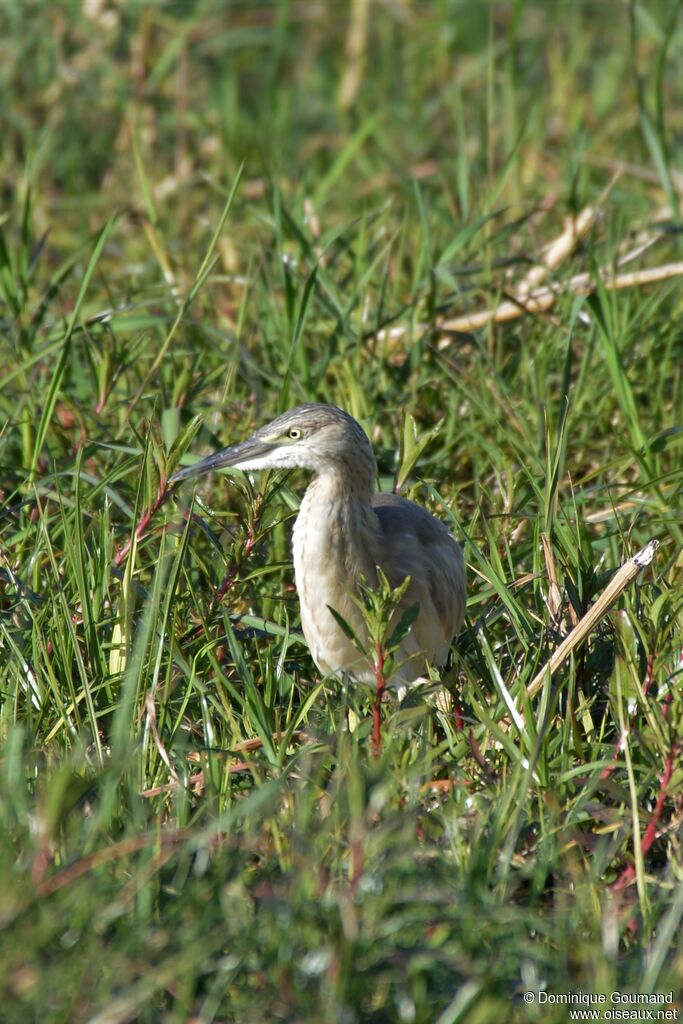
(213, 212)
(383, 630)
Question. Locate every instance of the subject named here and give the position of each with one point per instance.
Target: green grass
(200, 229)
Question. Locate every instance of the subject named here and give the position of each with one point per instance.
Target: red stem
(234, 569)
(650, 833)
(377, 710)
(162, 494)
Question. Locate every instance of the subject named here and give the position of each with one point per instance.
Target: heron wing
(416, 544)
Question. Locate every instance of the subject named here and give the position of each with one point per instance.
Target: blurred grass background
(211, 212)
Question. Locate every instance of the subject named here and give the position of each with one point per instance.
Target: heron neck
(346, 481)
(335, 532)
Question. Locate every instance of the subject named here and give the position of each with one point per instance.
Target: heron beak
(236, 455)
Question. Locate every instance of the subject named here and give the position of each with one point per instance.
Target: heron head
(315, 437)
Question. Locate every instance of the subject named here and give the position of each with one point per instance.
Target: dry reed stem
(620, 581)
(151, 711)
(196, 781)
(125, 847)
(531, 296)
(355, 53)
(542, 299)
(557, 251)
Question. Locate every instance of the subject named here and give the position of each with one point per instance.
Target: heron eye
(294, 434)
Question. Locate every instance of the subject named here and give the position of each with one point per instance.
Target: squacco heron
(345, 529)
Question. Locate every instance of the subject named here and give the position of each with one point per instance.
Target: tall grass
(213, 213)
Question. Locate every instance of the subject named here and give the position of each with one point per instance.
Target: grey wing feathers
(418, 545)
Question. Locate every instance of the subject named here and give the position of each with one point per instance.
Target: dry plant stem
(245, 746)
(622, 579)
(644, 241)
(554, 597)
(438, 786)
(636, 171)
(542, 299)
(151, 711)
(528, 295)
(355, 53)
(108, 853)
(558, 250)
(195, 782)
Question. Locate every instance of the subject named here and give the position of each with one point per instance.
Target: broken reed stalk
(532, 295)
(619, 582)
(196, 781)
(542, 299)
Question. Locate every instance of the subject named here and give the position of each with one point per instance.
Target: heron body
(345, 530)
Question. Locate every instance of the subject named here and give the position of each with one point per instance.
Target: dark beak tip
(184, 474)
(222, 459)
(179, 475)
